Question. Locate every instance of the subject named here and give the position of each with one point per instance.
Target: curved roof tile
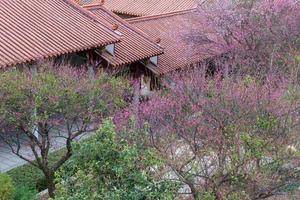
(178, 32)
(37, 29)
(143, 7)
(134, 45)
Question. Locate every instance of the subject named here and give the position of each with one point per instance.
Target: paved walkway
(8, 160)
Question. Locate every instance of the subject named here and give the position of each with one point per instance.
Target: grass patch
(29, 176)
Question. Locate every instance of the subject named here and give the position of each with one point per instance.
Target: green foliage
(249, 80)
(293, 187)
(254, 146)
(25, 193)
(292, 94)
(207, 196)
(6, 187)
(240, 195)
(26, 175)
(109, 169)
(265, 122)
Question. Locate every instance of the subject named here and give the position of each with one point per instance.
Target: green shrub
(41, 184)
(6, 187)
(25, 193)
(105, 168)
(26, 176)
(207, 196)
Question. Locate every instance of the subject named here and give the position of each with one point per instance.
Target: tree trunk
(50, 183)
(194, 192)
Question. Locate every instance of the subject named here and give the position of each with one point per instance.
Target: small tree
(225, 138)
(106, 168)
(51, 109)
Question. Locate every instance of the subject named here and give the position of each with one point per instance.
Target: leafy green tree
(109, 169)
(50, 109)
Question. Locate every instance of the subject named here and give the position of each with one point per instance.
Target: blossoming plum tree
(223, 137)
(256, 36)
(56, 105)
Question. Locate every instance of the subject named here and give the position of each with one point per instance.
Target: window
(154, 60)
(110, 49)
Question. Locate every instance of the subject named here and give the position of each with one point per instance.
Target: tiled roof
(181, 38)
(37, 29)
(87, 2)
(134, 45)
(144, 7)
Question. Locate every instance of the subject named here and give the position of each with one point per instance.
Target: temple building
(181, 36)
(159, 38)
(137, 54)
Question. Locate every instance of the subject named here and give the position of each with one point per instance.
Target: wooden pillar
(145, 85)
(91, 72)
(91, 65)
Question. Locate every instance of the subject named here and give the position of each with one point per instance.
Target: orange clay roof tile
(176, 31)
(134, 45)
(143, 7)
(38, 29)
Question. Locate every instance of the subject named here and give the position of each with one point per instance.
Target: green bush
(25, 193)
(105, 168)
(41, 184)
(26, 176)
(6, 187)
(207, 196)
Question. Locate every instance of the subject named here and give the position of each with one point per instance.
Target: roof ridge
(162, 15)
(124, 22)
(135, 14)
(91, 16)
(142, 7)
(94, 6)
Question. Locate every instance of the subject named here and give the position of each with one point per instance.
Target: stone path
(9, 160)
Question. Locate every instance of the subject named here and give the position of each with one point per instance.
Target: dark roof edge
(159, 16)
